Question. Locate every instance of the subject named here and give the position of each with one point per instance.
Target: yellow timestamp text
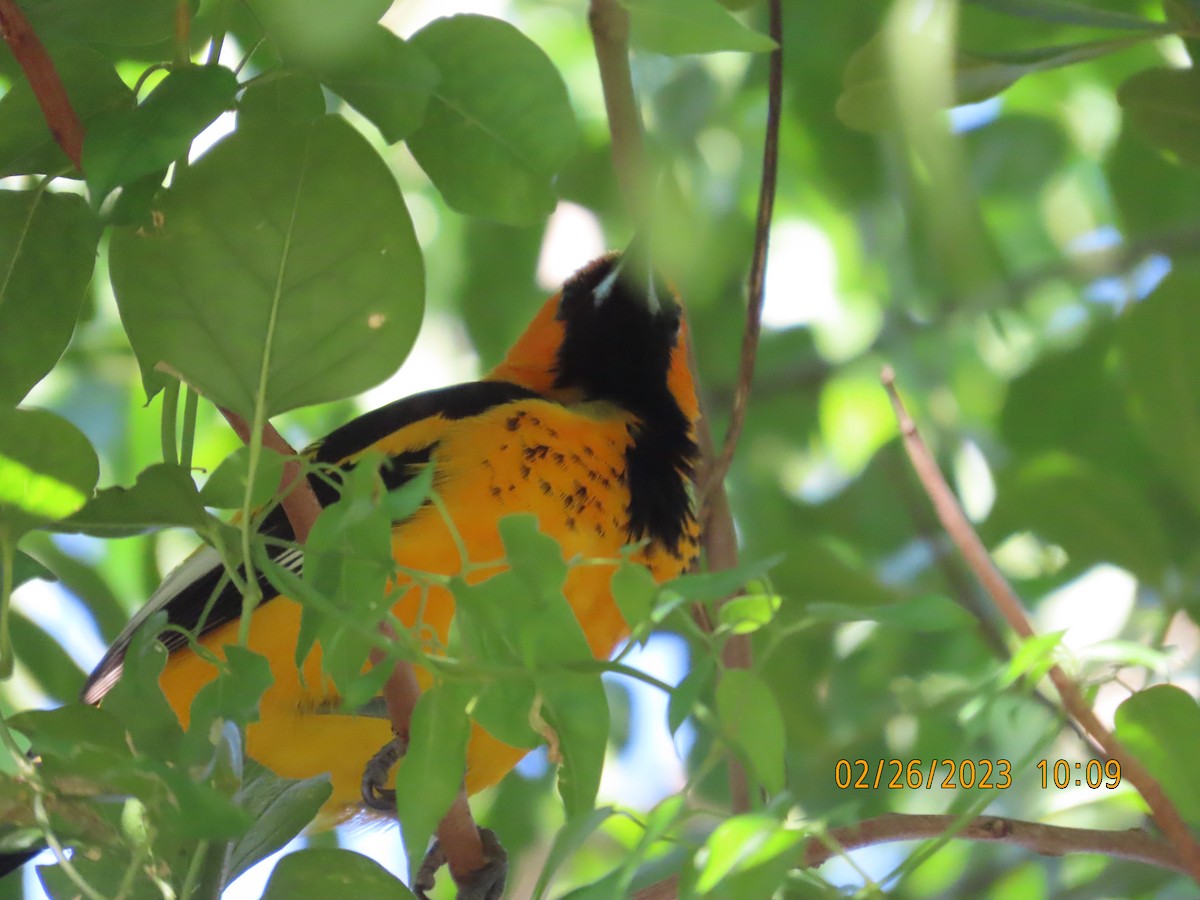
(1094, 773)
(913, 774)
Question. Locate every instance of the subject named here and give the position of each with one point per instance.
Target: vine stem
(967, 541)
(47, 86)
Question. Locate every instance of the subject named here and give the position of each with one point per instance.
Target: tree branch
(47, 87)
(1046, 840)
(609, 24)
(971, 547)
(758, 266)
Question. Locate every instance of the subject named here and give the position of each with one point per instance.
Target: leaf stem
(170, 415)
(191, 402)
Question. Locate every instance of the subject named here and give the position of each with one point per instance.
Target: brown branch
(755, 287)
(47, 87)
(971, 547)
(609, 24)
(296, 495)
(1046, 840)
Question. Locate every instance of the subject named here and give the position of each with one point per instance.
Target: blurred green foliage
(997, 197)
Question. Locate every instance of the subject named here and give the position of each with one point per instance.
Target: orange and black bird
(588, 423)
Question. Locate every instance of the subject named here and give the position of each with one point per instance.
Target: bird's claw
(376, 774)
(485, 883)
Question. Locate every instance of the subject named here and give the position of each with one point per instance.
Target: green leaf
(389, 81)
(690, 26)
(126, 145)
(750, 612)
(26, 568)
(233, 696)
(746, 856)
(572, 836)
(1161, 727)
(751, 721)
(57, 675)
(47, 251)
(1033, 658)
(926, 613)
(348, 560)
(1156, 338)
(431, 773)
(94, 88)
(1065, 12)
(281, 807)
(503, 107)
(294, 95)
(136, 698)
(304, 32)
(688, 692)
(410, 496)
(47, 469)
(285, 255)
(1162, 105)
(71, 728)
(707, 587)
(226, 487)
(867, 101)
(120, 22)
(163, 495)
(634, 590)
(320, 873)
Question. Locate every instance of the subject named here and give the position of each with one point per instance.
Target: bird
(588, 422)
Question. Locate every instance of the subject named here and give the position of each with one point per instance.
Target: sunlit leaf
(47, 469)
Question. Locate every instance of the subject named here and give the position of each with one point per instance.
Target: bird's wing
(198, 595)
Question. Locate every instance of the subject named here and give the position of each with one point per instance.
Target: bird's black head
(621, 331)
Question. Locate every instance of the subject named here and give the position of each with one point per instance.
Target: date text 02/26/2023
(914, 774)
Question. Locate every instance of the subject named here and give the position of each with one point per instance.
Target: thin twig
(971, 547)
(48, 88)
(963, 591)
(756, 282)
(1046, 840)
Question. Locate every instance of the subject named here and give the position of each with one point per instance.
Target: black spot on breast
(512, 423)
(558, 457)
(570, 523)
(545, 486)
(524, 470)
(496, 492)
